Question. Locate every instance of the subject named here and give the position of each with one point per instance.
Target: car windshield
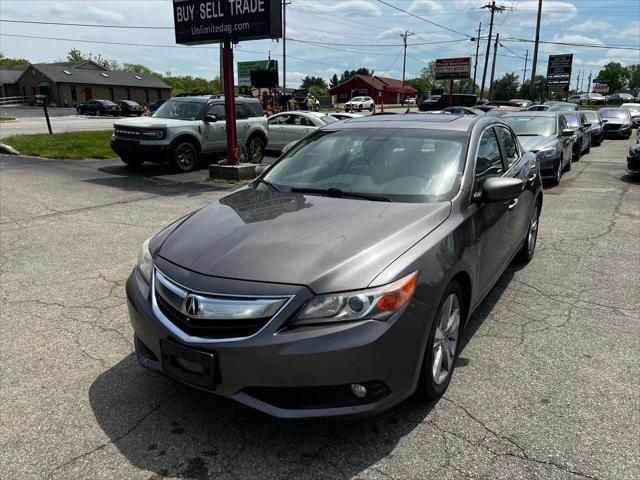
(356, 99)
(176, 110)
(614, 113)
(403, 165)
(634, 109)
(533, 125)
(592, 116)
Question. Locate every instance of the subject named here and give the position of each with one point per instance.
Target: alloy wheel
(445, 340)
(185, 157)
(532, 236)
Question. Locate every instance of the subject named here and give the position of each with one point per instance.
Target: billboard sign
(559, 72)
(214, 21)
(453, 68)
(601, 85)
(245, 69)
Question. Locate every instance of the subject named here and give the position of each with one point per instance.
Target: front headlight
(378, 303)
(145, 261)
(547, 153)
(153, 134)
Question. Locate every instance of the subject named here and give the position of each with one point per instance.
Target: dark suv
(99, 107)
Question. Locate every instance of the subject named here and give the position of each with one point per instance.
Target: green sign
(245, 68)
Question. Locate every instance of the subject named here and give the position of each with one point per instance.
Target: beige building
(71, 83)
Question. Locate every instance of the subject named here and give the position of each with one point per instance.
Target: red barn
(380, 89)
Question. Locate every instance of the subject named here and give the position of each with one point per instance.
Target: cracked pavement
(546, 386)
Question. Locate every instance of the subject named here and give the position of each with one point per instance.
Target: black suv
(99, 107)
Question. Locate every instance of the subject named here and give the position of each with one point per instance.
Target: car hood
(152, 122)
(328, 244)
(539, 142)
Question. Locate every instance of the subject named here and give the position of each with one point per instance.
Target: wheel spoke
(454, 324)
(437, 363)
(448, 357)
(446, 312)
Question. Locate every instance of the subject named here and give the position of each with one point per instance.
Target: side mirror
(288, 147)
(604, 120)
(567, 132)
(210, 119)
(587, 124)
(498, 189)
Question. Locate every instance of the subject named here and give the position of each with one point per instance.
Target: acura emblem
(192, 306)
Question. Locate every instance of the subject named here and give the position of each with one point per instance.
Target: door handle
(513, 203)
(247, 126)
(532, 177)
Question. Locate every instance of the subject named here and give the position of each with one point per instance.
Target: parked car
(463, 111)
(587, 98)
(563, 107)
(502, 103)
(634, 111)
(286, 127)
(581, 127)
(498, 111)
(633, 157)
(519, 102)
(345, 115)
(538, 108)
(619, 98)
(459, 100)
(129, 107)
(548, 136)
(340, 282)
(99, 108)
(411, 101)
(359, 104)
(185, 129)
(427, 102)
(597, 126)
(156, 105)
(618, 122)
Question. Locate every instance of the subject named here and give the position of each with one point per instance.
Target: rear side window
(254, 109)
(572, 120)
(241, 113)
(489, 161)
(217, 110)
(509, 144)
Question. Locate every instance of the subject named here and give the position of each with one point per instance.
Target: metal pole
(486, 57)
(233, 154)
(404, 62)
(493, 66)
(535, 52)
(451, 93)
(221, 71)
(524, 76)
(46, 115)
(475, 67)
(284, 47)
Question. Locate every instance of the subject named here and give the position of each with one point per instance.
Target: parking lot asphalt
(546, 385)
(69, 123)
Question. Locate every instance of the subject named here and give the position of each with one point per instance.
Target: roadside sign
(601, 81)
(214, 21)
(559, 72)
(245, 69)
(453, 68)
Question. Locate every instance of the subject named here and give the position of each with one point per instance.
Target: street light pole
(535, 53)
(475, 67)
(404, 36)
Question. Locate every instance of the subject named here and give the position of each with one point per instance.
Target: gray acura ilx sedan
(339, 282)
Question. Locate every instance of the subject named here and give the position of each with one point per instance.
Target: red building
(380, 89)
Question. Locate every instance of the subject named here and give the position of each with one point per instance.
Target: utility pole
(582, 82)
(589, 85)
(535, 53)
(284, 46)
(493, 66)
(578, 82)
(493, 8)
(524, 76)
(475, 67)
(404, 36)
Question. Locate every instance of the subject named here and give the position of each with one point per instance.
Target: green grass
(66, 145)
(6, 119)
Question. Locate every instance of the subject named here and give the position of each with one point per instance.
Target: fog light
(359, 391)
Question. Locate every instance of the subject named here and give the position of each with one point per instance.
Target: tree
(539, 88)
(334, 81)
(347, 74)
(617, 75)
(191, 85)
(634, 76)
(75, 55)
(420, 84)
(12, 62)
(505, 88)
(138, 68)
(318, 84)
(429, 73)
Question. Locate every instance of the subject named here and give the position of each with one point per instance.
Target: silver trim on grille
(213, 306)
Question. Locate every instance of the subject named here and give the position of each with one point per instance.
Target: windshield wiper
(268, 184)
(337, 193)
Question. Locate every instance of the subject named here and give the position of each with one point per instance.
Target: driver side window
(489, 161)
(217, 110)
(509, 144)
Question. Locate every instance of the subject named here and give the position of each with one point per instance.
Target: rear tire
(555, 181)
(360, 108)
(529, 248)
(132, 162)
(185, 157)
(443, 344)
(588, 150)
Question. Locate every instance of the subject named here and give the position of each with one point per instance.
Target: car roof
(206, 98)
(427, 121)
(533, 113)
(630, 104)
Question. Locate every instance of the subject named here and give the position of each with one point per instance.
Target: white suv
(358, 104)
(184, 129)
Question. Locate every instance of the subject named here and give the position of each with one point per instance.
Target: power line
(424, 19)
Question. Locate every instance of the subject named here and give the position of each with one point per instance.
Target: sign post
(199, 22)
(453, 69)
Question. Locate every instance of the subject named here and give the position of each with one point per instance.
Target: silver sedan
(287, 127)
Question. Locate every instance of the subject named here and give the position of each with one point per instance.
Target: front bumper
(548, 166)
(633, 160)
(151, 151)
(618, 131)
(293, 373)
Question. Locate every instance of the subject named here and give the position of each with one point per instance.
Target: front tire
(442, 345)
(555, 181)
(256, 145)
(567, 167)
(185, 157)
(529, 248)
(360, 108)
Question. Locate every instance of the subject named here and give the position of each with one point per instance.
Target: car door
(297, 127)
(566, 142)
(517, 167)
(242, 123)
(586, 130)
(490, 219)
(214, 138)
(277, 125)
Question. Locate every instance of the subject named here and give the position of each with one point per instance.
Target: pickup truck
(186, 129)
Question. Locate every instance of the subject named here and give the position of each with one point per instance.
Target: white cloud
(421, 7)
(342, 7)
(591, 25)
(631, 34)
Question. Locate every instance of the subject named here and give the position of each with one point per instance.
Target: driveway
(546, 386)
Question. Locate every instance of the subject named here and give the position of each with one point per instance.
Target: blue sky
(367, 33)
